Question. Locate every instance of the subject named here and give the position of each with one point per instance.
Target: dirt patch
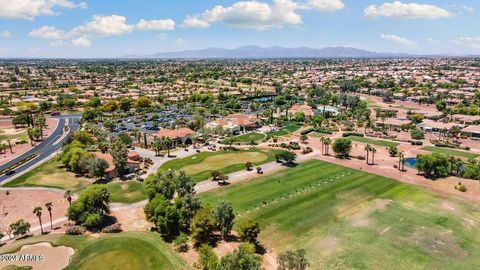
(19, 204)
(357, 211)
(47, 257)
(439, 243)
(132, 219)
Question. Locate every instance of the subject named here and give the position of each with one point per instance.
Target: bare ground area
(54, 258)
(19, 204)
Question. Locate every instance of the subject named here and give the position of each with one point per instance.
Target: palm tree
(49, 205)
(373, 155)
(68, 196)
(368, 148)
(327, 143)
(322, 140)
(38, 212)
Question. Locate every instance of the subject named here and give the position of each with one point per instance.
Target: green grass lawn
(348, 219)
(132, 250)
(12, 137)
(373, 141)
(127, 192)
(450, 152)
(289, 128)
(200, 166)
(247, 138)
(51, 174)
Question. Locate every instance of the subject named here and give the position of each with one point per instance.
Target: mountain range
(256, 52)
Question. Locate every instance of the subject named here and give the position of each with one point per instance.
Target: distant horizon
(381, 55)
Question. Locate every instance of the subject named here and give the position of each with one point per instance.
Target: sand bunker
(40, 256)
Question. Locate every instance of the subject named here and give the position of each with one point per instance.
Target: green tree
(119, 154)
(125, 104)
(241, 259)
(21, 227)
(248, 231)
(342, 147)
(92, 206)
(207, 259)
(165, 215)
(224, 216)
(292, 260)
(143, 102)
(97, 167)
(202, 226)
(433, 165)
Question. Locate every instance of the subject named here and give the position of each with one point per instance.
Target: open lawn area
(135, 251)
(247, 138)
(53, 175)
(13, 134)
(373, 141)
(348, 219)
(200, 166)
(287, 129)
(450, 152)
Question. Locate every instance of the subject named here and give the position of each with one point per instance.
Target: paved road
(45, 149)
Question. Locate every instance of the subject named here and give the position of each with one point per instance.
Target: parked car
(10, 172)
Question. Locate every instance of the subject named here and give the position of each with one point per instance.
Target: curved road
(45, 149)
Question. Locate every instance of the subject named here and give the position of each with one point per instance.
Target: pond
(410, 162)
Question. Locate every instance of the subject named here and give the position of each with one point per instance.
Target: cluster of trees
(76, 159)
(285, 156)
(91, 207)
(433, 165)
(179, 215)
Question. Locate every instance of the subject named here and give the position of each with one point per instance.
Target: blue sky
(104, 28)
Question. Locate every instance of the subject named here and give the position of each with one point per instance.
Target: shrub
(417, 134)
(307, 131)
(114, 228)
(348, 134)
(180, 243)
(75, 230)
(416, 142)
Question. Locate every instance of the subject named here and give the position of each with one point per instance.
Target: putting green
(200, 166)
(221, 161)
(127, 250)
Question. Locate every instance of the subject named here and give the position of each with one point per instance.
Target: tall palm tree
(367, 148)
(373, 155)
(49, 205)
(68, 196)
(38, 212)
(322, 140)
(327, 143)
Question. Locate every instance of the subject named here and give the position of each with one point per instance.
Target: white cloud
(98, 27)
(113, 25)
(398, 40)
(401, 10)
(325, 5)
(259, 15)
(48, 32)
(195, 22)
(82, 41)
(29, 9)
(168, 24)
(468, 41)
(5, 34)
